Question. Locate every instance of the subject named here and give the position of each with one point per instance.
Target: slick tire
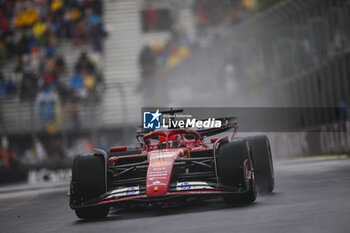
(231, 157)
(88, 182)
(263, 165)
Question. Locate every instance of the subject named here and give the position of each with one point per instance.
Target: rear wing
(226, 124)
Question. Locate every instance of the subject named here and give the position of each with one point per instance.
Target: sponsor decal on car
(185, 186)
(163, 155)
(131, 191)
(195, 185)
(134, 190)
(160, 175)
(160, 164)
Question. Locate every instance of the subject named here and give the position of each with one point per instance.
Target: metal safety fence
(298, 50)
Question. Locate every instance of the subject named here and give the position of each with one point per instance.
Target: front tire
(93, 212)
(263, 164)
(232, 159)
(88, 182)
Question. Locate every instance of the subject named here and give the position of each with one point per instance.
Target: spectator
(46, 105)
(11, 87)
(2, 85)
(60, 65)
(84, 63)
(27, 17)
(147, 61)
(89, 81)
(150, 17)
(77, 84)
(28, 85)
(39, 29)
(4, 23)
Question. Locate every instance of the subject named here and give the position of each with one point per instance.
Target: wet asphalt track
(310, 196)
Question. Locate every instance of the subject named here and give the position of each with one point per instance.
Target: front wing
(177, 190)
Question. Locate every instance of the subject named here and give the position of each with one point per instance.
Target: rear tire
(231, 170)
(263, 164)
(88, 182)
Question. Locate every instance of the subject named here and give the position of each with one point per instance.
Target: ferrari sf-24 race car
(173, 165)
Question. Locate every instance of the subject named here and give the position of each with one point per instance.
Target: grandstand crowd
(31, 34)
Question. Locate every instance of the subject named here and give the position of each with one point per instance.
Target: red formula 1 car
(171, 166)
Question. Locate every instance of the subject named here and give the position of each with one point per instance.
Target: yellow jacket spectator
(89, 81)
(56, 5)
(75, 14)
(26, 18)
(39, 29)
(157, 46)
